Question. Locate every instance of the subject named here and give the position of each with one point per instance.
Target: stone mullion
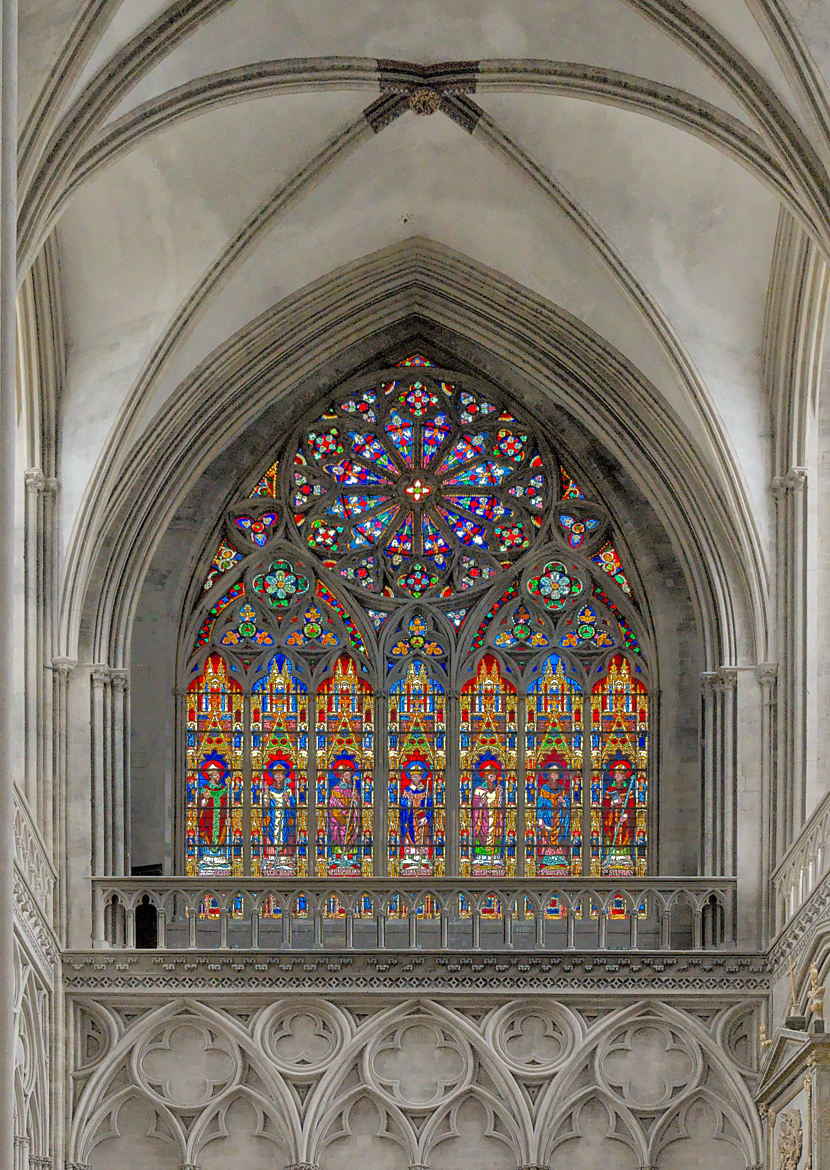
(380, 812)
(521, 784)
(311, 784)
(452, 786)
(247, 733)
(587, 768)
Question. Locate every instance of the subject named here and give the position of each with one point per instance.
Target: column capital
(64, 666)
(726, 679)
(100, 674)
(34, 480)
(120, 679)
(793, 481)
(766, 673)
(708, 679)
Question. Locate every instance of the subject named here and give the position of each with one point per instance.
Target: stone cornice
(735, 975)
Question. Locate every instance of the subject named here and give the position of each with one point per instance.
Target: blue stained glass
(465, 530)
(370, 449)
(349, 473)
(474, 407)
(373, 527)
(481, 475)
(400, 433)
(435, 432)
(349, 506)
(434, 542)
(486, 507)
(401, 541)
(467, 448)
(511, 446)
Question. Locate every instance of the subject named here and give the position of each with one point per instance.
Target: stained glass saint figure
(279, 819)
(213, 803)
(488, 813)
(554, 821)
(344, 814)
(417, 818)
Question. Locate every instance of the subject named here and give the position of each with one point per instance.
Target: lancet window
(417, 652)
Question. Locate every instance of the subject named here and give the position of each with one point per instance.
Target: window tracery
(416, 652)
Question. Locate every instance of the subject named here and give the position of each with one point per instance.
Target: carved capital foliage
(120, 680)
(727, 680)
(63, 667)
(100, 675)
(707, 681)
(766, 674)
(34, 479)
(793, 481)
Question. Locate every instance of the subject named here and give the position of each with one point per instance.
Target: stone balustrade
(656, 913)
(804, 865)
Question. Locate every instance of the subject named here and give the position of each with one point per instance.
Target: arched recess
(685, 545)
(274, 616)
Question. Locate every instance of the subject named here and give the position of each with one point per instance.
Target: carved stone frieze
(733, 975)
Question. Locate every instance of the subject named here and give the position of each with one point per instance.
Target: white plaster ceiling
(683, 233)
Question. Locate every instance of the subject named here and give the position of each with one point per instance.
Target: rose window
(418, 487)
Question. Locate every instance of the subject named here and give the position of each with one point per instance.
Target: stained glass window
(214, 790)
(417, 762)
(419, 524)
(345, 766)
(619, 780)
(554, 763)
(279, 766)
(489, 773)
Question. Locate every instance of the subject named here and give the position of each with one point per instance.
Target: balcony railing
(453, 914)
(804, 865)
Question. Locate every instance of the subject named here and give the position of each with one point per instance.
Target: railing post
(412, 925)
(507, 923)
(99, 940)
(380, 926)
(634, 928)
(254, 925)
(193, 914)
(570, 927)
(161, 920)
(223, 927)
(540, 928)
(602, 927)
(445, 929)
(285, 923)
(129, 926)
(665, 930)
(350, 929)
(318, 926)
(475, 921)
(697, 929)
